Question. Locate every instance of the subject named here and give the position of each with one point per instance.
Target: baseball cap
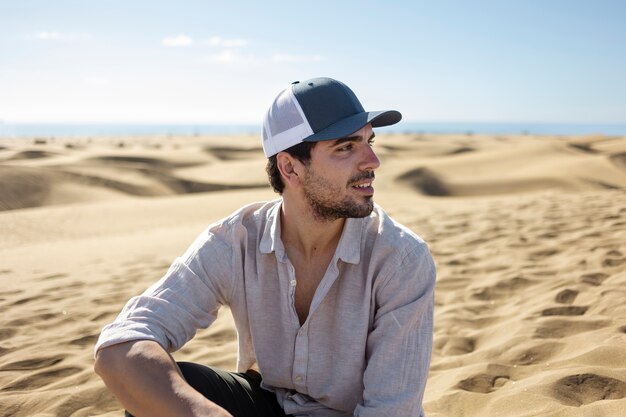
(315, 110)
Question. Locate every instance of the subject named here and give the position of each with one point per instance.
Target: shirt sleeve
(185, 299)
(400, 344)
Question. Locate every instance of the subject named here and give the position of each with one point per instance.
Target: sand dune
(487, 168)
(62, 175)
(528, 234)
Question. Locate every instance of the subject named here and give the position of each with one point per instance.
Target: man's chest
(307, 282)
(295, 320)
(276, 291)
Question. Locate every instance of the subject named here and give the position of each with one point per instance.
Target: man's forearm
(147, 382)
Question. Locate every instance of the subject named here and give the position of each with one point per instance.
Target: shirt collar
(348, 249)
(270, 241)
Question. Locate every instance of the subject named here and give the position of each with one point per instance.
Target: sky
(210, 61)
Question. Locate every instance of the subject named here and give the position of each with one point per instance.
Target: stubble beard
(319, 193)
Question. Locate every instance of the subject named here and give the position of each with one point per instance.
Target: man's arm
(147, 382)
(400, 343)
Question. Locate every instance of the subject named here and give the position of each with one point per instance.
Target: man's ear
(289, 168)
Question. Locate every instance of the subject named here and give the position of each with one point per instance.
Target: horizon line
(247, 123)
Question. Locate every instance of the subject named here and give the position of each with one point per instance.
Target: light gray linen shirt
(365, 347)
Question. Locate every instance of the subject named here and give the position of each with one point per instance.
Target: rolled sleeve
(400, 343)
(186, 299)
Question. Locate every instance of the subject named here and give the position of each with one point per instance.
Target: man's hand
(147, 382)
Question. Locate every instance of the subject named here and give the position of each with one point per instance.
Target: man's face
(338, 180)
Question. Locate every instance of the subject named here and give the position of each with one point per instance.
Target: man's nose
(370, 160)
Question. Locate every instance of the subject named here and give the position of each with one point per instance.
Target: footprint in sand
(580, 389)
(503, 289)
(613, 261)
(594, 278)
(541, 254)
(565, 311)
(457, 345)
(566, 296)
(558, 328)
(495, 377)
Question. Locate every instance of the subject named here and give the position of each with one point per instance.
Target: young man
(332, 299)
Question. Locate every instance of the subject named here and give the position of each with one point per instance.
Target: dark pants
(239, 393)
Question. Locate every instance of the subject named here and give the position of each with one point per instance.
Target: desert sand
(528, 233)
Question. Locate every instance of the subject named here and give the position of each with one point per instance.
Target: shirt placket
(291, 274)
(301, 350)
(301, 360)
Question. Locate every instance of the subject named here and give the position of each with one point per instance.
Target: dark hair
(301, 151)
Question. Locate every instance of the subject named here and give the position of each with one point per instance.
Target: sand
(528, 232)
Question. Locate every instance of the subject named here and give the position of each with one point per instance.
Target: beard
(326, 200)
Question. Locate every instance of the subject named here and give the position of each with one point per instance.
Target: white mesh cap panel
(285, 124)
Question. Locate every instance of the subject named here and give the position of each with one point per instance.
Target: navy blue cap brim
(355, 122)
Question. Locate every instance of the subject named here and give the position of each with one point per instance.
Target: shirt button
(299, 378)
(292, 282)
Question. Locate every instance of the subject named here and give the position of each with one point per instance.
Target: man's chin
(365, 210)
(346, 211)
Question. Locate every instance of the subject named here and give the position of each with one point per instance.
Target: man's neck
(309, 236)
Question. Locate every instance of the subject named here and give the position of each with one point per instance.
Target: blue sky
(223, 62)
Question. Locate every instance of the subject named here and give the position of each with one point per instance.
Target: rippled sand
(529, 234)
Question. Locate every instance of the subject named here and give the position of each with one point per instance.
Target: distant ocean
(27, 130)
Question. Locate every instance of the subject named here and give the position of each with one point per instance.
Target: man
(332, 299)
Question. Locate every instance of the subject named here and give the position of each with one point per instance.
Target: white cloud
(231, 56)
(227, 43)
(296, 58)
(48, 36)
(177, 41)
(56, 36)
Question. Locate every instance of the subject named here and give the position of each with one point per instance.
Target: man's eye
(345, 147)
(371, 142)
